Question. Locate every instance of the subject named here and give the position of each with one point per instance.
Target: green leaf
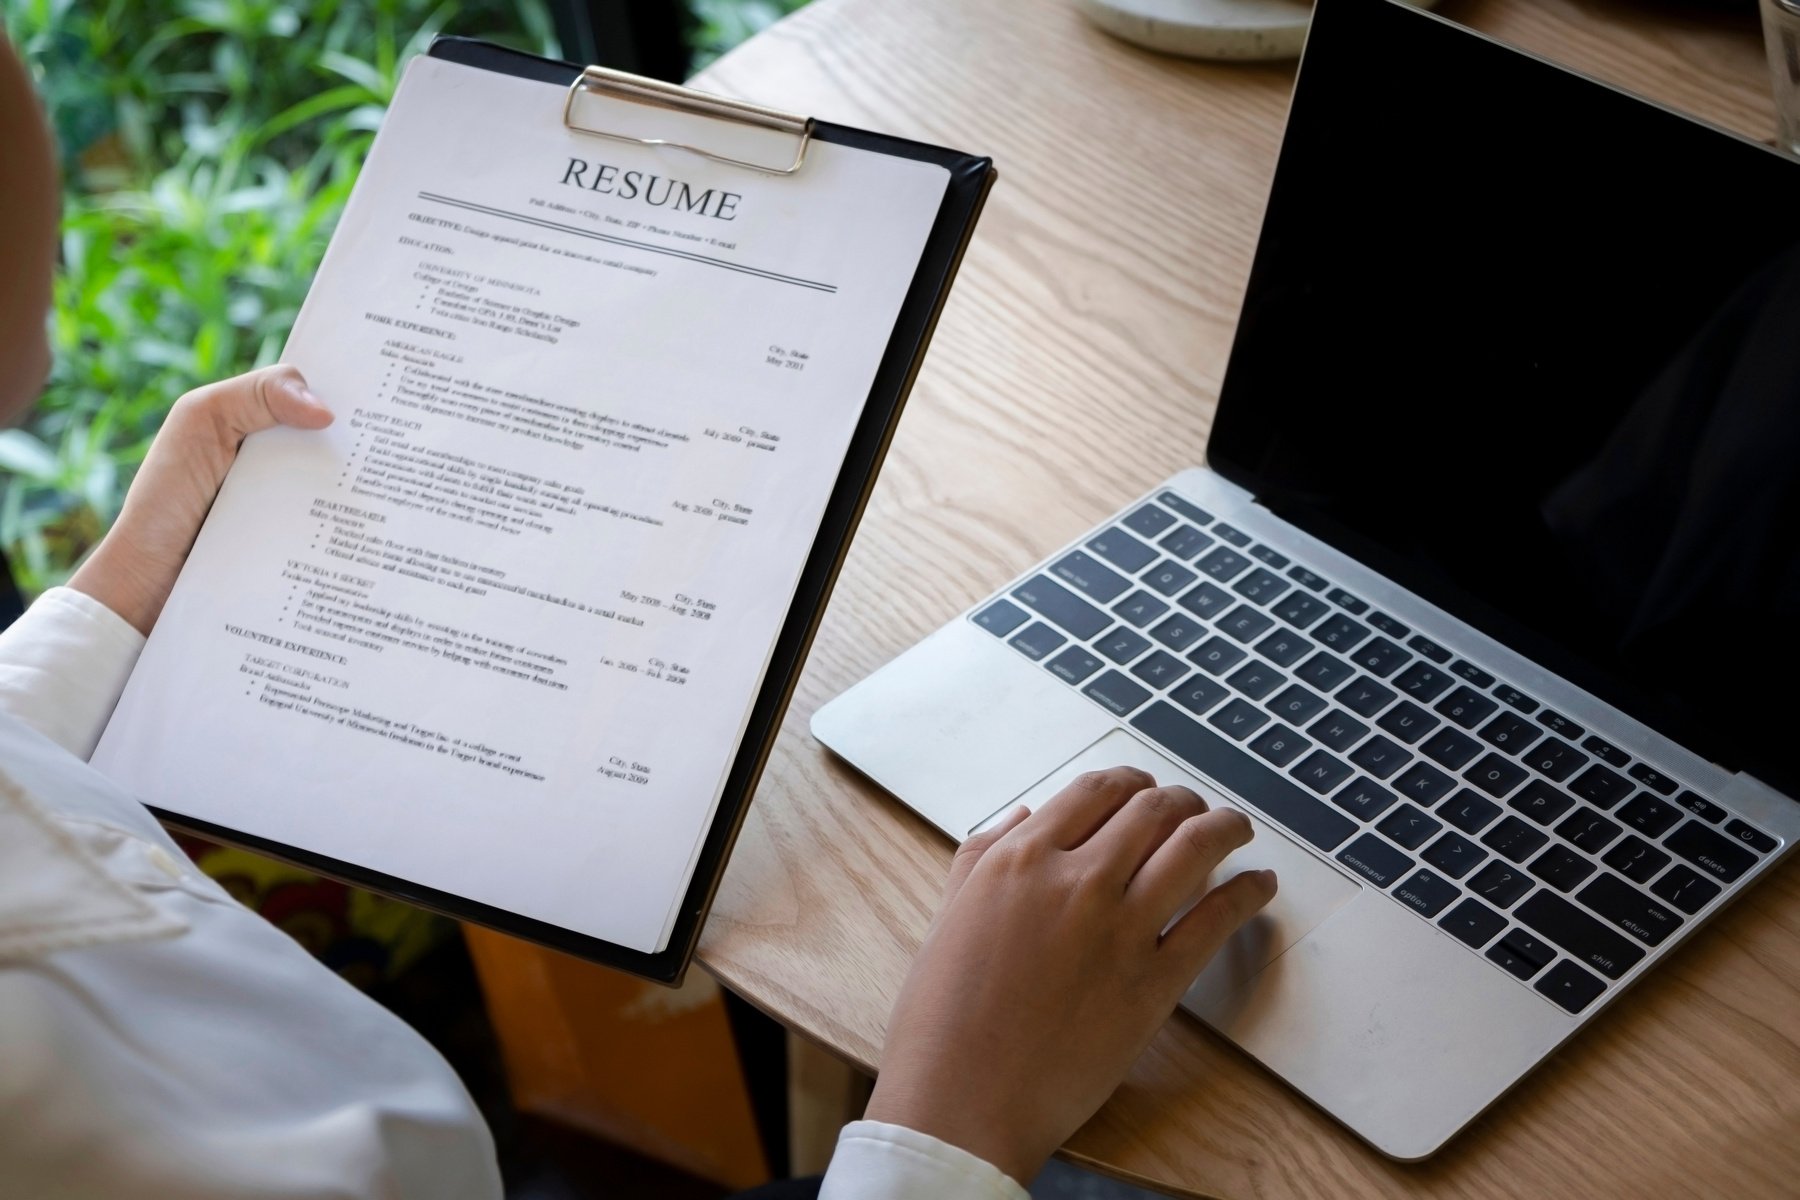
(23, 454)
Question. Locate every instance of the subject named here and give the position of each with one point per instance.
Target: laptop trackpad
(1310, 891)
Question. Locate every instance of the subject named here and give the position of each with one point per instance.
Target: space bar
(1231, 766)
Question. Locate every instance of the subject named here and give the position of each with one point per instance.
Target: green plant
(722, 24)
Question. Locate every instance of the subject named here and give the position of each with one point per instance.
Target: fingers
(1194, 939)
(1185, 858)
(261, 399)
(1126, 842)
(1070, 817)
(970, 852)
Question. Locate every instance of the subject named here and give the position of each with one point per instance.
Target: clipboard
(970, 178)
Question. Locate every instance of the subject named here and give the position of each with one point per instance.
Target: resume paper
(498, 630)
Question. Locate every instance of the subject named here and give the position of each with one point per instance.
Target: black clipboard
(970, 179)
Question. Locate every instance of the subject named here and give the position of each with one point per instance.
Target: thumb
(970, 852)
(261, 399)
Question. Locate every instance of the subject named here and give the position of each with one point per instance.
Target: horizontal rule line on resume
(772, 276)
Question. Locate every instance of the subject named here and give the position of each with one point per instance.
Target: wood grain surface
(1077, 364)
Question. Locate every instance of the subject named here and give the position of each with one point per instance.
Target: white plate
(1235, 29)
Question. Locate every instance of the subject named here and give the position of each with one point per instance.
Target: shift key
(1056, 603)
(1587, 940)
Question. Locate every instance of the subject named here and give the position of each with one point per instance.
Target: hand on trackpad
(1310, 890)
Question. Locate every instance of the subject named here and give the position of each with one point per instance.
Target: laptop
(1484, 603)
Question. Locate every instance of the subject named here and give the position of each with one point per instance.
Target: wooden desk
(1077, 363)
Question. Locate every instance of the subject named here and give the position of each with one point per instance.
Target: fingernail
(302, 393)
(1268, 876)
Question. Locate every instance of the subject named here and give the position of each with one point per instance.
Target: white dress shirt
(158, 1040)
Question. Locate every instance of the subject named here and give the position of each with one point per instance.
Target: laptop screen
(1531, 348)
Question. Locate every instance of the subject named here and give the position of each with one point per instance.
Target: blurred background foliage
(208, 149)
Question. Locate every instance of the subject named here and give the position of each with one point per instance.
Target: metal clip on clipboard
(657, 94)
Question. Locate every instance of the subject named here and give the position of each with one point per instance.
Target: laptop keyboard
(1546, 849)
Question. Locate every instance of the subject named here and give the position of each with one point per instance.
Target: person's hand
(1047, 969)
(133, 568)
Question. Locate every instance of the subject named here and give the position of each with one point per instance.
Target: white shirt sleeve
(877, 1161)
(63, 665)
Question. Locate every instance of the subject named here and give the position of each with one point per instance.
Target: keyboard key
(1365, 697)
(1223, 564)
(1701, 807)
(1570, 986)
(1639, 861)
(1466, 707)
(1199, 694)
(1320, 771)
(1653, 779)
(1711, 851)
(1366, 800)
(1140, 608)
(1121, 645)
(1058, 605)
(1541, 802)
(1280, 745)
(1244, 623)
(1375, 860)
(1557, 723)
(1685, 889)
(1426, 892)
(1588, 830)
(1472, 673)
(1472, 922)
(1301, 610)
(1510, 733)
(1117, 694)
(1324, 672)
(1216, 656)
(1430, 649)
(1555, 758)
(1184, 542)
(1346, 601)
(1338, 730)
(1514, 839)
(1178, 632)
(1306, 579)
(1294, 703)
(1148, 521)
(1160, 669)
(1423, 783)
(1238, 720)
(1284, 647)
(1091, 576)
(1408, 826)
(1073, 665)
(1408, 722)
(1236, 537)
(1584, 938)
(1454, 855)
(1605, 751)
(1423, 682)
(1500, 884)
(1752, 837)
(1629, 909)
(1380, 757)
(1469, 812)
(1192, 512)
(1206, 601)
(1280, 800)
(1513, 698)
(1036, 640)
(1648, 815)
(1561, 868)
(1269, 555)
(1121, 550)
(1256, 680)
(1388, 625)
(1600, 787)
(1380, 657)
(1450, 748)
(1495, 775)
(1340, 633)
(1001, 617)
(1166, 578)
(1262, 586)
(1520, 954)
